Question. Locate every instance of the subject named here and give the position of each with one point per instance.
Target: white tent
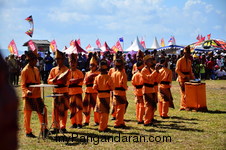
(69, 50)
(155, 44)
(135, 46)
(93, 49)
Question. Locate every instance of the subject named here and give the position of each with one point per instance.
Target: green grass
(188, 130)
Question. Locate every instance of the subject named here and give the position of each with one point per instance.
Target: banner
(118, 45)
(98, 43)
(12, 48)
(32, 45)
(53, 45)
(87, 47)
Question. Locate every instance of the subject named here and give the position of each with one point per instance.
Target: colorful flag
(114, 48)
(87, 47)
(31, 22)
(118, 46)
(12, 48)
(72, 43)
(198, 37)
(172, 41)
(53, 45)
(208, 36)
(32, 45)
(202, 38)
(79, 42)
(142, 42)
(121, 39)
(98, 43)
(162, 42)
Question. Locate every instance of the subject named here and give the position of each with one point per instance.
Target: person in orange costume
(140, 56)
(103, 84)
(150, 100)
(137, 82)
(120, 80)
(30, 75)
(166, 99)
(75, 77)
(90, 98)
(59, 76)
(184, 71)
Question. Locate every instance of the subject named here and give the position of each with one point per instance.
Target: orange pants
(149, 99)
(120, 111)
(76, 109)
(139, 108)
(163, 107)
(96, 118)
(182, 91)
(103, 121)
(56, 118)
(27, 120)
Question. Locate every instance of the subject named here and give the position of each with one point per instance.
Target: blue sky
(108, 20)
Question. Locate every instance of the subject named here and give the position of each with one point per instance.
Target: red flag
(118, 45)
(32, 45)
(72, 43)
(98, 43)
(12, 48)
(53, 45)
(114, 48)
(208, 36)
(79, 42)
(198, 37)
(142, 42)
(202, 38)
(87, 47)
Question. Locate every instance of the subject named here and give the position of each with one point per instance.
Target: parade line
(96, 139)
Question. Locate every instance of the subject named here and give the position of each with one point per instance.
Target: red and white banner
(118, 45)
(12, 48)
(98, 43)
(87, 47)
(53, 45)
(79, 42)
(32, 45)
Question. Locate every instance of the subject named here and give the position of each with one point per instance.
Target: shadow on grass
(215, 112)
(182, 118)
(178, 127)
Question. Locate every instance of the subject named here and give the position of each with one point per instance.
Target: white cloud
(217, 27)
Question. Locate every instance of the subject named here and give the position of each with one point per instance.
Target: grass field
(188, 130)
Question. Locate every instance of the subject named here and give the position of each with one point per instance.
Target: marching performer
(30, 75)
(75, 92)
(184, 71)
(137, 82)
(150, 101)
(165, 99)
(89, 101)
(120, 80)
(103, 84)
(139, 57)
(59, 76)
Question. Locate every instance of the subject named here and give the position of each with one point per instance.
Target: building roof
(38, 42)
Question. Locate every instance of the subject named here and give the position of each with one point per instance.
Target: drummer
(30, 75)
(59, 76)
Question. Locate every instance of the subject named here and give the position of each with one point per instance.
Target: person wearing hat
(75, 77)
(184, 71)
(137, 82)
(89, 101)
(150, 101)
(140, 56)
(103, 84)
(119, 78)
(59, 76)
(30, 75)
(165, 99)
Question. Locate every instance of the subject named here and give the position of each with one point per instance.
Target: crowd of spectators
(206, 65)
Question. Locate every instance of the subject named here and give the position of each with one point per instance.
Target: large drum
(195, 96)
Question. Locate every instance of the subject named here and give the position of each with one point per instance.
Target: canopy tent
(74, 48)
(155, 44)
(106, 48)
(135, 46)
(93, 49)
(170, 49)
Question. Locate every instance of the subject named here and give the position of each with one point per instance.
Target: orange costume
(75, 94)
(32, 102)
(184, 71)
(149, 94)
(166, 99)
(60, 103)
(120, 80)
(103, 84)
(137, 82)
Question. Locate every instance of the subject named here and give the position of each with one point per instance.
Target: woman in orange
(103, 84)
(90, 98)
(30, 75)
(75, 77)
(137, 82)
(184, 71)
(59, 76)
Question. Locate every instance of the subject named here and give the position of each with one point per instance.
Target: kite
(31, 30)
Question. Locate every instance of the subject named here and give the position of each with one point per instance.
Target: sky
(108, 20)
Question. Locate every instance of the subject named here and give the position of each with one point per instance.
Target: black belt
(186, 73)
(155, 83)
(103, 91)
(89, 85)
(74, 85)
(148, 85)
(28, 84)
(139, 86)
(165, 82)
(120, 89)
(60, 86)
